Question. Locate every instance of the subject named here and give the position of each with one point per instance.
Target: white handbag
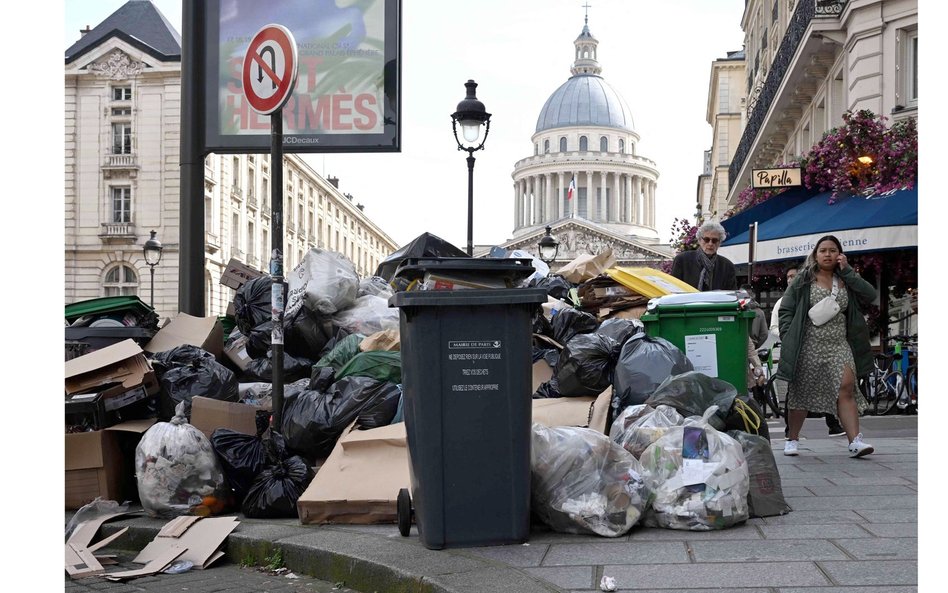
(827, 308)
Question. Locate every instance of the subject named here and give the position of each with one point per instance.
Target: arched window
(546, 147)
(120, 280)
(603, 144)
(621, 146)
(583, 143)
(563, 144)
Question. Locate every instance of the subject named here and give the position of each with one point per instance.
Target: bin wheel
(403, 508)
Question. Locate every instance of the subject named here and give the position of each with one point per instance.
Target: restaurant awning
(862, 224)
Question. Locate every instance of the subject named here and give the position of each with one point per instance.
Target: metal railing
(796, 29)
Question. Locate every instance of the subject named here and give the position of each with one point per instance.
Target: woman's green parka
(793, 319)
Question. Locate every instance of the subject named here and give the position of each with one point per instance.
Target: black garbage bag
(279, 485)
(314, 419)
(242, 456)
(252, 303)
(747, 416)
(692, 393)
(542, 325)
(644, 362)
(556, 286)
(424, 245)
(548, 389)
(586, 365)
(569, 322)
(186, 371)
(765, 497)
(258, 340)
(306, 333)
(321, 378)
(619, 329)
(294, 368)
(382, 411)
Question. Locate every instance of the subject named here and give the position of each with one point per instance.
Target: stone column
(516, 201)
(651, 194)
(560, 196)
(636, 199)
(550, 199)
(628, 199)
(614, 203)
(531, 194)
(603, 205)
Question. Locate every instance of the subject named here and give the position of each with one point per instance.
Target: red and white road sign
(269, 69)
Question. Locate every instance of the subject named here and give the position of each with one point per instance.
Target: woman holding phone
(822, 352)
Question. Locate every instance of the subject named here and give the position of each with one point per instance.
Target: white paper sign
(702, 351)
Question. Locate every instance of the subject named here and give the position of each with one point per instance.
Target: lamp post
(152, 250)
(548, 247)
(471, 114)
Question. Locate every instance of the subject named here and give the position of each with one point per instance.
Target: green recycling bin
(711, 328)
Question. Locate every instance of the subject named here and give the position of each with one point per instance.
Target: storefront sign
(768, 178)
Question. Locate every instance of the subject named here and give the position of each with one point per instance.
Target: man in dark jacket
(703, 268)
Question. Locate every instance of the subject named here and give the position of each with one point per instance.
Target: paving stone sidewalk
(853, 530)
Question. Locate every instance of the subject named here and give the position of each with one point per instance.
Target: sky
(657, 55)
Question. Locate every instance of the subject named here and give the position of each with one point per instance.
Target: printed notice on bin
(474, 365)
(702, 351)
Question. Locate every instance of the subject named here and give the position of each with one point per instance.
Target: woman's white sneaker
(790, 448)
(858, 448)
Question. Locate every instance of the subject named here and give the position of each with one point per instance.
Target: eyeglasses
(711, 239)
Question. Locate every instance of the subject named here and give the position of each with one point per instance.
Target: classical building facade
(586, 178)
(808, 62)
(122, 140)
(725, 114)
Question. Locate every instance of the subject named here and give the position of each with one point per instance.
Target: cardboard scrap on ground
(79, 550)
(200, 538)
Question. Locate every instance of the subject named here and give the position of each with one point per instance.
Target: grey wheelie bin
(466, 379)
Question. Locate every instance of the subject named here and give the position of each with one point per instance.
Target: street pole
(276, 264)
(152, 302)
(470, 204)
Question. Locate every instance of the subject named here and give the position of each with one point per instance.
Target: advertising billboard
(347, 95)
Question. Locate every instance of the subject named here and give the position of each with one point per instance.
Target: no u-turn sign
(269, 70)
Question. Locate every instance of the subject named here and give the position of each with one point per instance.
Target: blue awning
(776, 205)
(876, 223)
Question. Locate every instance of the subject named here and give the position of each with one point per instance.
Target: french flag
(572, 188)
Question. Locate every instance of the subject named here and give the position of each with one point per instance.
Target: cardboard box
(204, 332)
(236, 351)
(102, 463)
(587, 412)
(101, 409)
(542, 372)
(208, 414)
(122, 363)
(237, 273)
(359, 481)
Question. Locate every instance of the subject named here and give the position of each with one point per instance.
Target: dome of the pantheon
(585, 100)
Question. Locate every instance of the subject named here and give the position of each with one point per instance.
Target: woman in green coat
(821, 362)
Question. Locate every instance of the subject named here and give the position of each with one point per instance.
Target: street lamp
(548, 247)
(152, 251)
(471, 115)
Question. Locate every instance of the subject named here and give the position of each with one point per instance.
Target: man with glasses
(703, 268)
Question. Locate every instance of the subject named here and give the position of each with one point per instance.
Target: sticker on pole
(269, 69)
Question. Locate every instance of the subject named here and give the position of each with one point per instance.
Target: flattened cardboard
(563, 411)
(209, 414)
(156, 565)
(237, 273)
(387, 340)
(360, 480)
(201, 540)
(80, 562)
(542, 372)
(204, 332)
(123, 363)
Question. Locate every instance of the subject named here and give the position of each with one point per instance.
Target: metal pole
(191, 208)
(152, 285)
(470, 204)
(276, 264)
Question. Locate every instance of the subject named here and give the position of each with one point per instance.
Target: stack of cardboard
(603, 297)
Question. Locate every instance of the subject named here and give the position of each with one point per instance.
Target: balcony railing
(792, 39)
(117, 230)
(235, 192)
(251, 199)
(121, 161)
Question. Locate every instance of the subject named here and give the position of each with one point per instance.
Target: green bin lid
(113, 304)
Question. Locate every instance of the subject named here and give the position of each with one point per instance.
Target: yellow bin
(649, 282)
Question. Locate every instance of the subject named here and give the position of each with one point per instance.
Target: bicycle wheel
(889, 387)
(770, 398)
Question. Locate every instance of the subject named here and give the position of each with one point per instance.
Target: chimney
(334, 181)
(82, 32)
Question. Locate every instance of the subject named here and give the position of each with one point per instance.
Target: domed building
(585, 178)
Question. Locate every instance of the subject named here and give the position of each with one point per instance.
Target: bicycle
(766, 395)
(905, 363)
(884, 387)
